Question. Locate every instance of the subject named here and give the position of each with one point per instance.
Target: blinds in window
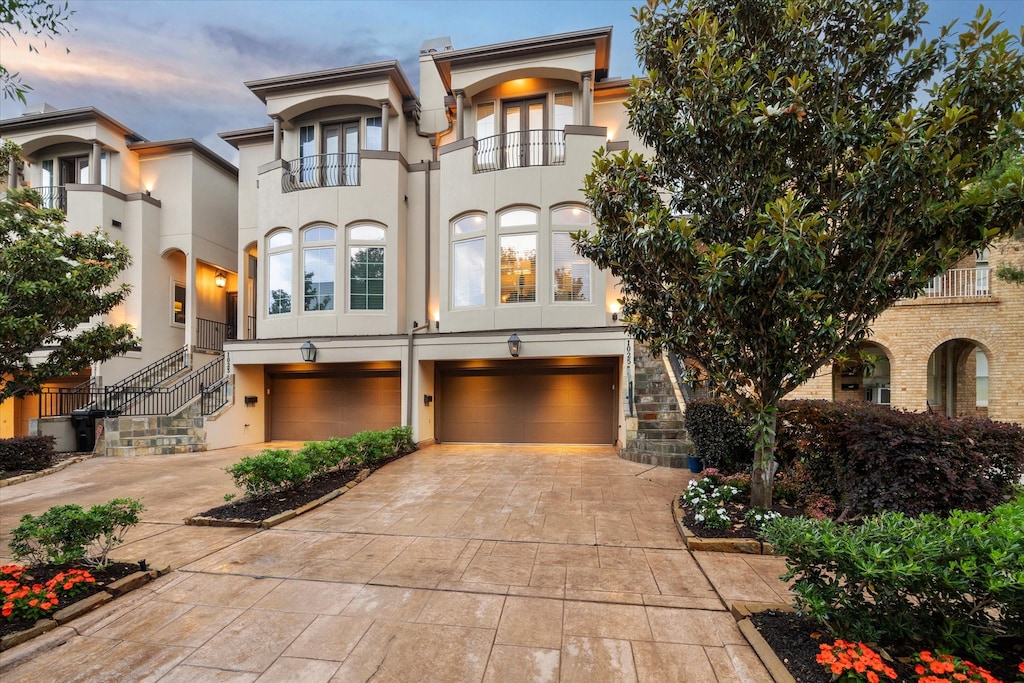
(468, 273)
(571, 271)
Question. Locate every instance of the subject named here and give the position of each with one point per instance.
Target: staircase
(661, 437)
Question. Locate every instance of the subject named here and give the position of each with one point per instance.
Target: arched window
(279, 272)
(468, 261)
(517, 244)
(366, 267)
(572, 272)
(318, 270)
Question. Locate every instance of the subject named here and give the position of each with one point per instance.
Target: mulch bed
(259, 508)
(736, 509)
(43, 573)
(796, 641)
(58, 458)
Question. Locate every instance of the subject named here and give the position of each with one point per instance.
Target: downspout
(408, 397)
(435, 142)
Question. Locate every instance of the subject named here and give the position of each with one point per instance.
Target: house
(174, 204)
(958, 349)
(406, 258)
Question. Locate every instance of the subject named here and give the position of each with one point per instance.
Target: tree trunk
(765, 466)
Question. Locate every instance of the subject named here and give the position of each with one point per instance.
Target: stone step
(663, 434)
(674, 446)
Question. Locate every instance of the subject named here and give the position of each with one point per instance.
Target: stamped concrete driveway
(456, 563)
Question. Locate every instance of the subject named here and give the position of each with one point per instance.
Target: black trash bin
(84, 424)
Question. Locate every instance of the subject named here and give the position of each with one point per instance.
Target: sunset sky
(175, 68)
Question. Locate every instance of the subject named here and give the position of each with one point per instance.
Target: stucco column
(277, 137)
(385, 116)
(94, 163)
(12, 172)
(588, 100)
(191, 299)
(460, 100)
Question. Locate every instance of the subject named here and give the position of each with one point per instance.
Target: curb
(742, 611)
(42, 473)
(749, 546)
(280, 517)
(62, 617)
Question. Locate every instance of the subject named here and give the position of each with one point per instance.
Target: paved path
(457, 563)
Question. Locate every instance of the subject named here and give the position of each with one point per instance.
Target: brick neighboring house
(174, 204)
(958, 349)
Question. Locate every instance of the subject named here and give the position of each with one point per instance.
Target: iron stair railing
(168, 400)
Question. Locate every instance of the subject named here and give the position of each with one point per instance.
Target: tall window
(318, 268)
(178, 304)
(279, 273)
(468, 259)
(518, 256)
(366, 267)
(981, 378)
(307, 154)
(572, 272)
(374, 138)
(486, 127)
(562, 110)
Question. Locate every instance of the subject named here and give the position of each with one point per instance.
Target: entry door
(524, 133)
(341, 145)
(232, 321)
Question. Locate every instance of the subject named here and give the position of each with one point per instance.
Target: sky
(172, 69)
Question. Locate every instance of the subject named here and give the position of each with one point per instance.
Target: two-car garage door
(523, 401)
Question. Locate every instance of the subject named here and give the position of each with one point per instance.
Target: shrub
(718, 437)
(32, 453)
(707, 500)
(869, 458)
(954, 583)
(67, 533)
(266, 471)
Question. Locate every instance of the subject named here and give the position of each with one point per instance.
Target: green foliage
(51, 281)
(868, 458)
(39, 19)
(707, 498)
(718, 437)
(813, 162)
(275, 469)
(1010, 274)
(954, 583)
(32, 453)
(67, 533)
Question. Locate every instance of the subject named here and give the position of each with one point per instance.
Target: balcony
(959, 283)
(517, 149)
(321, 170)
(54, 197)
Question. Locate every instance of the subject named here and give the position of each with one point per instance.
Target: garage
(333, 402)
(569, 400)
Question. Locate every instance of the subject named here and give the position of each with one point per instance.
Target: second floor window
(318, 268)
(572, 272)
(517, 256)
(279, 273)
(366, 267)
(468, 259)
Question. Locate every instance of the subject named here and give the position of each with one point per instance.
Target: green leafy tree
(51, 282)
(814, 161)
(35, 19)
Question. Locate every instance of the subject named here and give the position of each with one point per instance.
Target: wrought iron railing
(214, 397)
(156, 372)
(210, 334)
(168, 400)
(960, 282)
(321, 170)
(689, 386)
(55, 401)
(54, 197)
(538, 147)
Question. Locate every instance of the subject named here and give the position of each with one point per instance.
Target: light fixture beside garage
(308, 352)
(514, 345)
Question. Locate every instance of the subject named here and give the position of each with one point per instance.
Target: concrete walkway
(457, 563)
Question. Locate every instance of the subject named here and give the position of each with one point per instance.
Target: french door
(341, 145)
(524, 133)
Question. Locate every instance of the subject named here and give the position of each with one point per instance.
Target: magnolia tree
(812, 162)
(51, 283)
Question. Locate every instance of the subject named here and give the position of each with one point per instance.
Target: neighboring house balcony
(516, 149)
(960, 283)
(320, 170)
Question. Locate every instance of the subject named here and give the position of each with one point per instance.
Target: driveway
(456, 563)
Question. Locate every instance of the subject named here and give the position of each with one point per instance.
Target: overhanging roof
(29, 122)
(350, 74)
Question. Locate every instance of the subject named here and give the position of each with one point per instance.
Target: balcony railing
(54, 197)
(539, 147)
(321, 170)
(959, 282)
(210, 334)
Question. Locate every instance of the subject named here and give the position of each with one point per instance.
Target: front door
(524, 133)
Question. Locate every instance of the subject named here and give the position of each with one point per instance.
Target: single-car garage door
(317, 406)
(528, 402)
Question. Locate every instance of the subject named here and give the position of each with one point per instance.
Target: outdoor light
(308, 352)
(221, 279)
(615, 312)
(514, 344)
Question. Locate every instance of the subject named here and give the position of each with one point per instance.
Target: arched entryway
(958, 377)
(867, 378)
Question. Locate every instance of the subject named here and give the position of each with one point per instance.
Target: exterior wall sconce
(514, 345)
(615, 312)
(308, 352)
(221, 279)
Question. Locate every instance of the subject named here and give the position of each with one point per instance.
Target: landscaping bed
(259, 508)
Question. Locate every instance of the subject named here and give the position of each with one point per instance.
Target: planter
(695, 463)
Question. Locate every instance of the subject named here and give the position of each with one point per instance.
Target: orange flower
(872, 677)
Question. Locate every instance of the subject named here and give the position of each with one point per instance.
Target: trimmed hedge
(273, 469)
(954, 583)
(719, 439)
(870, 459)
(31, 453)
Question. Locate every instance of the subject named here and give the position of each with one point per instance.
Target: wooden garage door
(315, 407)
(519, 402)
